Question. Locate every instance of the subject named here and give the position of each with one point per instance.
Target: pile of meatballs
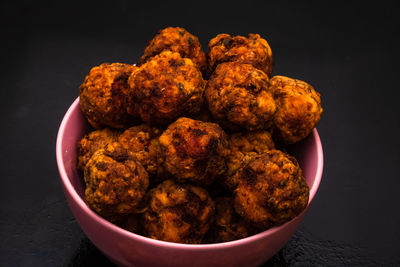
(184, 145)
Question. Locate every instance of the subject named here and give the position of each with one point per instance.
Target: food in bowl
(299, 108)
(92, 142)
(104, 96)
(271, 189)
(194, 151)
(115, 181)
(142, 143)
(228, 224)
(165, 87)
(239, 98)
(253, 50)
(242, 147)
(162, 173)
(178, 40)
(178, 212)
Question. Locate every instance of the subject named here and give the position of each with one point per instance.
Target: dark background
(347, 51)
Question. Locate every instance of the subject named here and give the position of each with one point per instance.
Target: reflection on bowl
(129, 249)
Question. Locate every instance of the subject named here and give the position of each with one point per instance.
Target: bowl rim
(159, 243)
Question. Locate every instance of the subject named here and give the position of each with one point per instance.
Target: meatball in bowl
(165, 87)
(178, 40)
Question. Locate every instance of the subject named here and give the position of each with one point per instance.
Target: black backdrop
(347, 51)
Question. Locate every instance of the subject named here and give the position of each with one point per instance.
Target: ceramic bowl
(128, 249)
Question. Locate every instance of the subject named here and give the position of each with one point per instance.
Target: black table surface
(349, 52)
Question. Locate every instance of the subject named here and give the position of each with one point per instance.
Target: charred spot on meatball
(179, 213)
(178, 40)
(115, 182)
(194, 150)
(253, 50)
(104, 96)
(299, 109)
(238, 97)
(165, 87)
(271, 190)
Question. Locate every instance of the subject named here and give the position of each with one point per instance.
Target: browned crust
(165, 87)
(253, 50)
(104, 96)
(115, 182)
(194, 150)
(271, 190)
(179, 213)
(299, 108)
(178, 40)
(92, 142)
(238, 97)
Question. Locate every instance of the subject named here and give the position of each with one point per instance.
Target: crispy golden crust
(115, 182)
(194, 150)
(238, 97)
(253, 50)
(179, 213)
(92, 142)
(243, 147)
(299, 108)
(227, 225)
(177, 40)
(165, 87)
(142, 143)
(271, 190)
(104, 96)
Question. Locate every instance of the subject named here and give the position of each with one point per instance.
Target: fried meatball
(142, 143)
(92, 142)
(165, 87)
(228, 225)
(271, 190)
(115, 182)
(253, 50)
(238, 97)
(179, 213)
(104, 96)
(243, 147)
(177, 40)
(299, 108)
(194, 150)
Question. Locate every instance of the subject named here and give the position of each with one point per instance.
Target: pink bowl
(129, 249)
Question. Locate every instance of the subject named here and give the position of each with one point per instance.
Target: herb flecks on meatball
(104, 96)
(299, 108)
(178, 40)
(115, 182)
(179, 213)
(271, 190)
(253, 50)
(238, 97)
(165, 87)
